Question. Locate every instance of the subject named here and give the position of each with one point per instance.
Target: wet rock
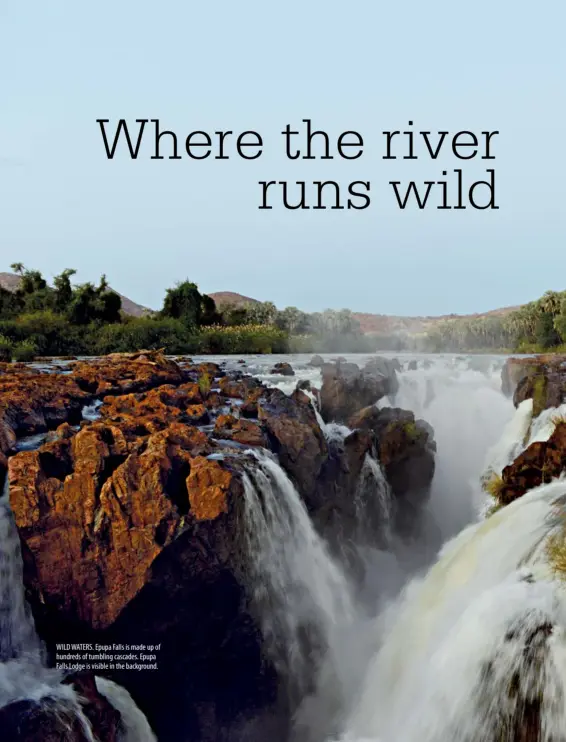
(539, 464)
(544, 385)
(242, 431)
(405, 448)
(250, 408)
(334, 501)
(232, 388)
(123, 373)
(50, 721)
(283, 369)
(515, 370)
(294, 435)
(32, 402)
(316, 361)
(366, 418)
(346, 389)
(105, 720)
(412, 365)
(384, 368)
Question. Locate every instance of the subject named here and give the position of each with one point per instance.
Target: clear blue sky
(369, 66)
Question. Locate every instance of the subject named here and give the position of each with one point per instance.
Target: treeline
(38, 319)
(534, 327)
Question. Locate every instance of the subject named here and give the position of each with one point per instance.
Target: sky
(369, 66)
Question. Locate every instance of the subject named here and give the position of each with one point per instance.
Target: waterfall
(373, 494)
(482, 636)
(134, 724)
(302, 592)
(17, 631)
(467, 412)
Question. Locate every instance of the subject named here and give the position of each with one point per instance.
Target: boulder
(405, 448)
(541, 462)
(283, 369)
(346, 389)
(49, 720)
(239, 430)
(316, 361)
(387, 368)
(295, 436)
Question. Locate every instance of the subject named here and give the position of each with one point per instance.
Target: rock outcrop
(347, 389)
(295, 436)
(406, 450)
(540, 378)
(539, 464)
(32, 402)
(122, 373)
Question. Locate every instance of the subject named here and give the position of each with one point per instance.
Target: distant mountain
(372, 324)
(222, 298)
(11, 281)
(384, 324)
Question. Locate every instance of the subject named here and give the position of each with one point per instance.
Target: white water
(427, 682)
(468, 413)
(295, 580)
(134, 723)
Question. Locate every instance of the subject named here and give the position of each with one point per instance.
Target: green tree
(63, 290)
(184, 302)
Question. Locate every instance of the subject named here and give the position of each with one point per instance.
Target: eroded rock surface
(347, 389)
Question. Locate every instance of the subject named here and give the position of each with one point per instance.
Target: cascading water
(476, 642)
(474, 650)
(468, 413)
(299, 586)
(17, 631)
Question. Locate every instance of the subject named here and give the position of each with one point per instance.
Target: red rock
(122, 373)
(95, 513)
(239, 430)
(208, 485)
(540, 463)
(32, 402)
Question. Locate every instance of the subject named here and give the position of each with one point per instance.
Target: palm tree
(18, 268)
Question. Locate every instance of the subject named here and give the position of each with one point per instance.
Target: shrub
(50, 333)
(24, 351)
(143, 333)
(493, 484)
(204, 384)
(6, 348)
(243, 339)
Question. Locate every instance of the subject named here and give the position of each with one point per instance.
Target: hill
(383, 324)
(222, 298)
(371, 324)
